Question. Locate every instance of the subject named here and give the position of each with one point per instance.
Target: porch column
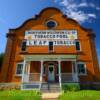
(76, 72)
(41, 73)
(23, 70)
(59, 64)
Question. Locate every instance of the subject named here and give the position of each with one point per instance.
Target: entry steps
(50, 87)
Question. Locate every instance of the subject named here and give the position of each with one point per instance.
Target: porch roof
(50, 57)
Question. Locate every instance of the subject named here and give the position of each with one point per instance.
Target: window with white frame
(81, 68)
(19, 69)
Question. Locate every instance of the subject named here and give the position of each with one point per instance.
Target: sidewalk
(50, 96)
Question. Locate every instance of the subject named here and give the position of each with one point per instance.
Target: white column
(76, 72)
(24, 63)
(41, 74)
(59, 64)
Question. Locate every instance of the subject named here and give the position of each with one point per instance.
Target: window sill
(18, 75)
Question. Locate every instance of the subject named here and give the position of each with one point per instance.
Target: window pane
(51, 24)
(81, 68)
(23, 46)
(77, 45)
(19, 68)
(50, 46)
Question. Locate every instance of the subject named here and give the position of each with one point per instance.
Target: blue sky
(14, 12)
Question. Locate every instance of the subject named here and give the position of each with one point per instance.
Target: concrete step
(50, 88)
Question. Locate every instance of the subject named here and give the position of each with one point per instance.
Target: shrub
(70, 87)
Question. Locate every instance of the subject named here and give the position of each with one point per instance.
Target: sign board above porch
(59, 37)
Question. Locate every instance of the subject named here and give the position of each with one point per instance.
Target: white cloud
(78, 15)
(72, 9)
(84, 4)
(92, 15)
(97, 8)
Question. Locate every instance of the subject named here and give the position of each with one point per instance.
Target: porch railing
(35, 77)
(32, 77)
(67, 77)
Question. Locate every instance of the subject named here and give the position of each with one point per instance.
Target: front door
(51, 76)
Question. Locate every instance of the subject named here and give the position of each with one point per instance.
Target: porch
(49, 70)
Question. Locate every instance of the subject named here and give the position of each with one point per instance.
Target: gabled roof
(57, 10)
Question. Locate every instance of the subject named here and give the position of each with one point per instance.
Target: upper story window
(77, 44)
(81, 68)
(23, 46)
(51, 24)
(51, 46)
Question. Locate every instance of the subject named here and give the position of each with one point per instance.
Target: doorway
(51, 74)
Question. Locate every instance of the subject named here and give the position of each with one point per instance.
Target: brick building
(50, 48)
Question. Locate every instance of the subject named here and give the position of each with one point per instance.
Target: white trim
(50, 57)
(82, 74)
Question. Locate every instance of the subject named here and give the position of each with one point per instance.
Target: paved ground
(50, 96)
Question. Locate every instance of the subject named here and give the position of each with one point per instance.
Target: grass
(20, 95)
(35, 95)
(81, 95)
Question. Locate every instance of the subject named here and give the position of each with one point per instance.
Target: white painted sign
(59, 37)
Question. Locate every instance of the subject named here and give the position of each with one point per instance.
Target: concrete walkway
(50, 96)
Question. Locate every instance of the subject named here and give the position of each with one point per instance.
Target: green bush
(70, 87)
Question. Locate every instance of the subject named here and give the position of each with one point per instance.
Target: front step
(50, 87)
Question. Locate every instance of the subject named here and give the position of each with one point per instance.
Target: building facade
(50, 48)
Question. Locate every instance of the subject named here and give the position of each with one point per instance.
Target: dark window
(81, 68)
(23, 48)
(51, 24)
(77, 45)
(51, 46)
(19, 69)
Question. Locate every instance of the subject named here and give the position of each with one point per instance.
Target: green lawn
(19, 95)
(81, 95)
(34, 95)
